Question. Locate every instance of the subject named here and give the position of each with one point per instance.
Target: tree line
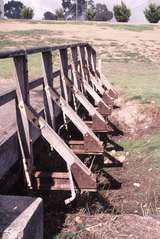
(81, 10)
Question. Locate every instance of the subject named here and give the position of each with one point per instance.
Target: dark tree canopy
(50, 16)
(13, 9)
(102, 13)
(70, 8)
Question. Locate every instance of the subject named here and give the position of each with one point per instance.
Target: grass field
(131, 61)
(130, 53)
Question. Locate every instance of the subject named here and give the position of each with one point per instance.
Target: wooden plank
(7, 96)
(83, 64)
(22, 97)
(47, 72)
(10, 150)
(64, 74)
(34, 50)
(89, 57)
(74, 51)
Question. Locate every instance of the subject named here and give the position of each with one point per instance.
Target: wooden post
(47, 66)
(22, 97)
(89, 57)
(66, 93)
(74, 52)
(83, 65)
(94, 59)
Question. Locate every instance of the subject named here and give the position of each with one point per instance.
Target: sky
(137, 7)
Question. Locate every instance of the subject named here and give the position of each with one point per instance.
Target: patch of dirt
(110, 226)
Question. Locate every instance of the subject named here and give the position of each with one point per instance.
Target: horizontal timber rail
(34, 50)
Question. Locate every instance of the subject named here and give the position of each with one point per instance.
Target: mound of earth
(135, 118)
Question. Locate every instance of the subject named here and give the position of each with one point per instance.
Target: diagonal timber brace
(78, 168)
(82, 79)
(78, 95)
(98, 79)
(91, 142)
(98, 124)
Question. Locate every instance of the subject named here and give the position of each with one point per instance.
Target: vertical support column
(94, 59)
(74, 72)
(83, 63)
(47, 66)
(89, 58)
(22, 99)
(74, 52)
(94, 66)
(64, 74)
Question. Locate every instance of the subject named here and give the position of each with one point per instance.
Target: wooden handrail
(34, 50)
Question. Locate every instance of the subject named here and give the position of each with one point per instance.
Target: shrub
(91, 14)
(27, 13)
(102, 13)
(152, 13)
(49, 16)
(121, 12)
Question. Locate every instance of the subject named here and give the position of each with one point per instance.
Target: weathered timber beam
(34, 50)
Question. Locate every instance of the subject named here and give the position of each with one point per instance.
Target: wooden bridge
(79, 107)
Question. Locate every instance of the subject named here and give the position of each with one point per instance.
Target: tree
(74, 9)
(27, 13)
(91, 14)
(152, 13)
(91, 11)
(121, 12)
(91, 4)
(102, 13)
(13, 9)
(50, 16)
(60, 14)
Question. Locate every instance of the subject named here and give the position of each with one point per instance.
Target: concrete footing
(21, 217)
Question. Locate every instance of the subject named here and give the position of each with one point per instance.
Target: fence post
(22, 99)
(47, 66)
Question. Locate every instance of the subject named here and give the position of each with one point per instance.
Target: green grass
(34, 66)
(148, 148)
(128, 27)
(145, 86)
(139, 81)
(135, 28)
(6, 69)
